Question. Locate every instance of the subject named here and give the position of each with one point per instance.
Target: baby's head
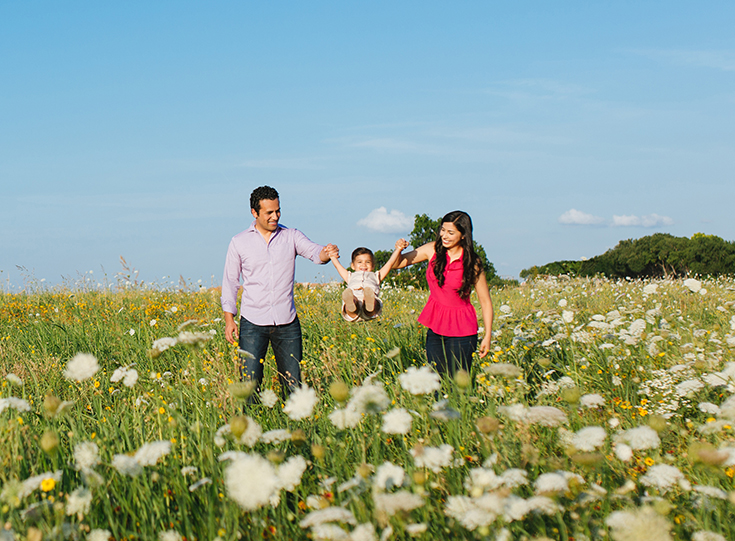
(363, 259)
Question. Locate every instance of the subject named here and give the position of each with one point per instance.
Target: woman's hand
(485, 344)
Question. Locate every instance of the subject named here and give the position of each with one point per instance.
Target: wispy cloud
(720, 60)
(383, 221)
(577, 217)
(649, 220)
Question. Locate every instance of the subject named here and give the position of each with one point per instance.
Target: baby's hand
(401, 244)
(332, 251)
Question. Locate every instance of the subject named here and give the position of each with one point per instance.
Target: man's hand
(328, 252)
(232, 333)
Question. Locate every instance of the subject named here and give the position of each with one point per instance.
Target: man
(264, 256)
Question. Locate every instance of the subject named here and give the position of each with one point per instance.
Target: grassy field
(605, 410)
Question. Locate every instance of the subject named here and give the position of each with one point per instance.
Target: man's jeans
(286, 343)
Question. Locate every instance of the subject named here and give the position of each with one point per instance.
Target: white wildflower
(289, 473)
(567, 316)
(709, 407)
(251, 481)
(433, 458)
(693, 285)
(81, 367)
(78, 502)
(422, 380)
(388, 475)
(99, 535)
(150, 453)
(203, 481)
(345, 418)
(623, 452)
(643, 524)
(268, 398)
(162, 344)
(663, 477)
(17, 404)
(712, 492)
(706, 535)
(397, 421)
(169, 535)
(86, 455)
(328, 514)
(129, 376)
(640, 438)
(300, 403)
(506, 370)
(127, 465)
(592, 401)
(403, 500)
(278, 435)
(545, 416)
(188, 470)
(369, 398)
(13, 379)
(589, 438)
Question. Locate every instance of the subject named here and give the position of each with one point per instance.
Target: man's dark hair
(361, 251)
(260, 193)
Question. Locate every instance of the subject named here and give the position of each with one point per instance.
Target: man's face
(267, 218)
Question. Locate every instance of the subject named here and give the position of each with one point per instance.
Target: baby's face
(363, 262)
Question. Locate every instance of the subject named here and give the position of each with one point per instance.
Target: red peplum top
(446, 313)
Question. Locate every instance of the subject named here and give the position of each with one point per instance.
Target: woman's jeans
(450, 353)
(286, 343)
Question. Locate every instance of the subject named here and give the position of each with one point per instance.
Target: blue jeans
(450, 353)
(286, 343)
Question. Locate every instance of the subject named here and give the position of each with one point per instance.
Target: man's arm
(230, 285)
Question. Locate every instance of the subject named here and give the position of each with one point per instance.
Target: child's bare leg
(350, 302)
(369, 300)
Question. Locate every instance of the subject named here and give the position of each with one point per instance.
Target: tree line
(655, 256)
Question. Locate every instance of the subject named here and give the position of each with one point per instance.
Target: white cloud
(577, 217)
(649, 220)
(387, 222)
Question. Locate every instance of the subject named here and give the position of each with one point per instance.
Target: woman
(454, 270)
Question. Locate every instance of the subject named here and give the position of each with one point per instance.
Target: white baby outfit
(358, 281)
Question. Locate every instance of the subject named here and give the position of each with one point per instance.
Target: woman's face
(449, 235)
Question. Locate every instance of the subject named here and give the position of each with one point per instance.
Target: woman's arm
(422, 253)
(401, 244)
(486, 305)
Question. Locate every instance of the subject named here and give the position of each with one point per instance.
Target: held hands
(401, 244)
(330, 251)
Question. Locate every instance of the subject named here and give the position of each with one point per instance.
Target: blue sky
(139, 129)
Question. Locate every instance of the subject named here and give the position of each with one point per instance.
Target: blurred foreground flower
(642, 524)
(82, 367)
(420, 380)
(300, 403)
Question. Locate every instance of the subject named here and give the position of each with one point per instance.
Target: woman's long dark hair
(470, 260)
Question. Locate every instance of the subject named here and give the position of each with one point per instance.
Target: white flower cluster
(253, 482)
(147, 455)
(81, 367)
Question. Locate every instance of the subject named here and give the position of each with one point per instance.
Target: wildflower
(712, 492)
(203, 481)
(505, 370)
(169, 535)
(278, 435)
(150, 453)
(345, 418)
(664, 477)
(545, 416)
(126, 465)
(369, 398)
(49, 442)
(709, 407)
(433, 458)
(567, 316)
(416, 529)
(99, 535)
(640, 438)
(388, 476)
(552, 482)
(289, 473)
(589, 438)
(86, 455)
(474, 513)
(623, 452)
(706, 535)
(642, 524)
(364, 532)
(650, 289)
(268, 398)
(17, 404)
(693, 285)
(78, 502)
(188, 470)
(422, 380)
(592, 401)
(152, 322)
(131, 332)
(82, 367)
(329, 514)
(45, 481)
(301, 403)
(251, 481)
(397, 421)
(161, 345)
(403, 500)
(13, 379)
(129, 376)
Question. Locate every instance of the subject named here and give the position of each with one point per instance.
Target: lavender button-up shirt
(267, 270)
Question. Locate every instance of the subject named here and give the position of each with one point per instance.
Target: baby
(361, 299)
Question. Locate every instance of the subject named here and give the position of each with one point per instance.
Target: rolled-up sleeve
(231, 279)
(306, 248)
